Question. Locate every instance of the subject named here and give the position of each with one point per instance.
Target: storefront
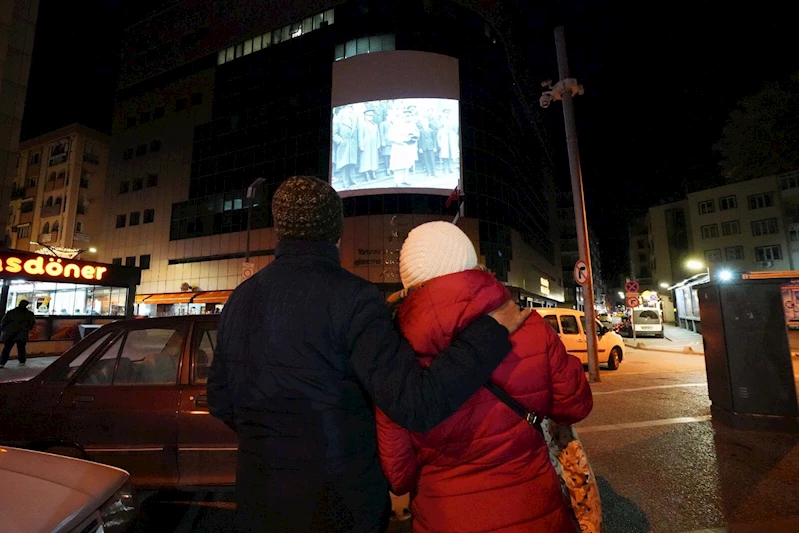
(65, 294)
(181, 303)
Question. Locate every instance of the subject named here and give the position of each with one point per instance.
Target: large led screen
(395, 125)
(403, 143)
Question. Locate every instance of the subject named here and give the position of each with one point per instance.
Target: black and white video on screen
(405, 143)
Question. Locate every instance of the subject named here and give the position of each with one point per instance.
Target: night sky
(659, 84)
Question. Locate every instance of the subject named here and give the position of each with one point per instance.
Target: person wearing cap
(304, 351)
(369, 146)
(16, 326)
(485, 468)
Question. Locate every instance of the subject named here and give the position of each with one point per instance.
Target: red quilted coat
(484, 468)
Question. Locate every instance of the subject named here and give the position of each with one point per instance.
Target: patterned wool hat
(435, 249)
(306, 208)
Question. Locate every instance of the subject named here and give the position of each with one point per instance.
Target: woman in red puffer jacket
(484, 468)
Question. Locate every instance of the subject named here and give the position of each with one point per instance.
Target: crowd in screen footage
(412, 142)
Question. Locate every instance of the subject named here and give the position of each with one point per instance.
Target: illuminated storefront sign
(15, 264)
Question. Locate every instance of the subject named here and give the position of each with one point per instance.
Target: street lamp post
(250, 194)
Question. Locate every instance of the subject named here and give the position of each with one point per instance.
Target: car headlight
(118, 512)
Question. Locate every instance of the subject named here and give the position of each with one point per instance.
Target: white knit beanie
(435, 249)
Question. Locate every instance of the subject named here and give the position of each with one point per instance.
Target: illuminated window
(247, 47)
(266, 39)
(230, 54)
(713, 256)
(364, 45)
(256, 44)
(296, 30)
(220, 58)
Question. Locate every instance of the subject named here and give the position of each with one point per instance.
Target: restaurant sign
(15, 264)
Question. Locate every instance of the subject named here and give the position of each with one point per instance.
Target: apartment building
(57, 193)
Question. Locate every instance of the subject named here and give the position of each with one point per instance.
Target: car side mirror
(603, 330)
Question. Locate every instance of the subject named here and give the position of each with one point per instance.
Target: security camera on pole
(565, 90)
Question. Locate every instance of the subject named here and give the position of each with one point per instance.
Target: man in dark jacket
(305, 349)
(15, 326)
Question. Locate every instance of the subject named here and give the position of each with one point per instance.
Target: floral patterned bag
(568, 458)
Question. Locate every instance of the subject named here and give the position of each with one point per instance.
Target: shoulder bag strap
(529, 416)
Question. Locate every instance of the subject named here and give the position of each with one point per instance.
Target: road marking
(644, 424)
(653, 387)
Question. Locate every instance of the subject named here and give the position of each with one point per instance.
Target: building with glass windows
(57, 193)
(214, 95)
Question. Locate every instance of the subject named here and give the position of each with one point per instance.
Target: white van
(570, 326)
(648, 322)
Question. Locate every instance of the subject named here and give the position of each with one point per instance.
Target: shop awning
(170, 298)
(211, 297)
(140, 298)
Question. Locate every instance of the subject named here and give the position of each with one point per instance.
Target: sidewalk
(677, 340)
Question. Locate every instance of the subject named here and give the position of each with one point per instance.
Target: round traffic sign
(633, 301)
(581, 272)
(247, 270)
(631, 286)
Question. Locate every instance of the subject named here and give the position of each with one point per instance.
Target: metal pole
(579, 205)
(249, 217)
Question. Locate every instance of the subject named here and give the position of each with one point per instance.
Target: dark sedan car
(131, 395)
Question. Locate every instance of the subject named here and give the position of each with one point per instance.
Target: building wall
(670, 245)
(641, 253)
(17, 28)
(76, 177)
(704, 246)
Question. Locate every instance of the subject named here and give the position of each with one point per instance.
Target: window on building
(141, 150)
(152, 180)
(30, 182)
(256, 44)
(138, 184)
(364, 45)
(196, 98)
(117, 261)
(56, 227)
(158, 112)
(734, 253)
(155, 146)
(24, 232)
(149, 216)
(134, 218)
(760, 201)
(144, 116)
(765, 227)
(266, 39)
(144, 262)
(706, 207)
(121, 220)
(732, 227)
(794, 235)
(131, 122)
(728, 202)
(34, 159)
(180, 104)
(124, 187)
(713, 256)
(128, 153)
(130, 261)
(46, 227)
(768, 253)
(789, 181)
(710, 231)
(79, 227)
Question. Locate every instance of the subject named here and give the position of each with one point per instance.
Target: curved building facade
(235, 95)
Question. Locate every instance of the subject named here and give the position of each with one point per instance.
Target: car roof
(557, 311)
(39, 479)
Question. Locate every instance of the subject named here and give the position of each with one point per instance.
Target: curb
(685, 350)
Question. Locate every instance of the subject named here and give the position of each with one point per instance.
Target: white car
(570, 326)
(46, 493)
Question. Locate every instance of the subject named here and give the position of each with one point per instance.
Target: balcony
(51, 210)
(26, 218)
(57, 159)
(54, 185)
(47, 238)
(91, 158)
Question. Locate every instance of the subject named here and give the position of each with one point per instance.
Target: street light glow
(664, 285)
(93, 250)
(693, 264)
(621, 294)
(725, 275)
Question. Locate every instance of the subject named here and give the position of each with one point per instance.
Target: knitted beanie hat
(435, 249)
(305, 208)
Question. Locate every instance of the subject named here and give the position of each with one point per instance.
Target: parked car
(570, 326)
(648, 322)
(133, 395)
(46, 493)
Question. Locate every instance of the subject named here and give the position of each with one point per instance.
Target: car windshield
(647, 316)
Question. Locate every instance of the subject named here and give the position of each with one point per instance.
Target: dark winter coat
(304, 348)
(16, 325)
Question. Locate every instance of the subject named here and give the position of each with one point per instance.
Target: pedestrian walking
(16, 325)
(485, 468)
(305, 350)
